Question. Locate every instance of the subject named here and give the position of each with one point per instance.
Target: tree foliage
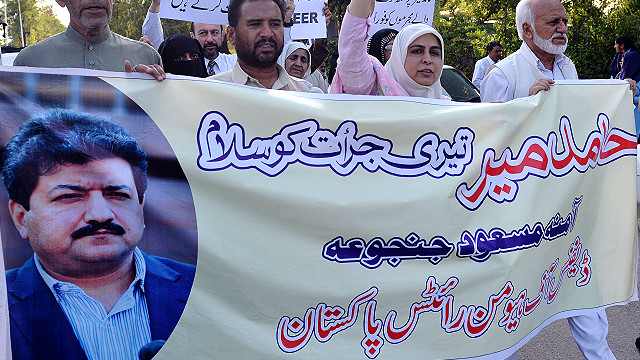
(38, 22)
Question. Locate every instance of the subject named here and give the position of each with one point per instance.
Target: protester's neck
(89, 34)
(267, 76)
(545, 58)
(105, 285)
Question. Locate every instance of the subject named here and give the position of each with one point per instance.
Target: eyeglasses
(388, 47)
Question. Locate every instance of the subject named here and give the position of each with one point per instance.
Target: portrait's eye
(67, 197)
(118, 195)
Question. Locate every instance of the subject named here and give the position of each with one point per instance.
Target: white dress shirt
(480, 70)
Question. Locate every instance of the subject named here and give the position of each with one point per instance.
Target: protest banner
(360, 227)
(396, 14)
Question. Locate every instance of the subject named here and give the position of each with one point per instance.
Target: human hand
(327, 13)
(154, 70)
(632, 84)
(155, 6)
(362, 8)
(541, 84)
(145, 39)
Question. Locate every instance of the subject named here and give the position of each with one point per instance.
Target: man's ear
(231, 32)
(62, 3)
(527, 31)
(192, 34)
(18, 213)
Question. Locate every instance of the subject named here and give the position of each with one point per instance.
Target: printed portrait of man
(76, 185)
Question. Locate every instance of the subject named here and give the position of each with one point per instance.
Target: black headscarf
(378, 41)
(176, 45)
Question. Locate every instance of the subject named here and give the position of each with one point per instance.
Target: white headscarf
(395, 65)
(288, 48)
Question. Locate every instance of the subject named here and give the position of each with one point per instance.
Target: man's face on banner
(83, 219)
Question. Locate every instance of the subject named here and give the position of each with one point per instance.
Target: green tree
(38, 22)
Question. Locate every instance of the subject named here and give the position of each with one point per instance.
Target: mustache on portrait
(93, 227)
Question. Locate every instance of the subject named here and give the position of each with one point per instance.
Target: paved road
(555, 342)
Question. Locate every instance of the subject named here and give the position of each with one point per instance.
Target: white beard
(548, 46)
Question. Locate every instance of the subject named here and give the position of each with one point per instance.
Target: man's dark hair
(62, 137)
(627, 42)
(234, 10)
(492, 44)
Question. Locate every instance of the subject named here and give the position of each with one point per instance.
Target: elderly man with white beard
(542, 26)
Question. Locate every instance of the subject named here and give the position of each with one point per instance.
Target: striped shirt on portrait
(118, 335)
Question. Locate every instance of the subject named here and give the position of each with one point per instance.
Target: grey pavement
(555, 342)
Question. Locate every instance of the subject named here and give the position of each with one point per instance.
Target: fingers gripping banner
(366, 227)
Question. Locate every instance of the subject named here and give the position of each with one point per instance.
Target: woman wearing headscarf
(182, 55)
(380, 44)
(295, 59)
(413, 69)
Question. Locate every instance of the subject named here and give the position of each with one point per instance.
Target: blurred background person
(494, 54)
(630, 69)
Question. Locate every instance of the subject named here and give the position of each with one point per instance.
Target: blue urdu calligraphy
(222, 145)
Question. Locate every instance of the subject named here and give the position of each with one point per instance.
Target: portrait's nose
(97, 208)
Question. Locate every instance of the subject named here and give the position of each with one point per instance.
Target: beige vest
(522, 71)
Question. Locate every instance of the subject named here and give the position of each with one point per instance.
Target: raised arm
(152, 27)
(361, 8)
(355, 73)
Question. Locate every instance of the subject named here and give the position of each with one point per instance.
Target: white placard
(203, 11)
(308, 20)
(397, 14)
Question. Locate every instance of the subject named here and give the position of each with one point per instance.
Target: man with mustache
(89, 43)
(542, 25)
(211, 37)
(256, 30)
(76, 185)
